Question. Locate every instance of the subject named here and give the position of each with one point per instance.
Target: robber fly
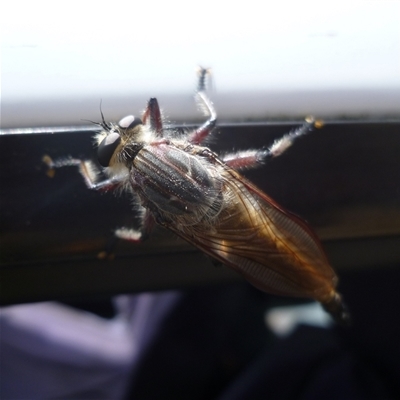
(203, 198)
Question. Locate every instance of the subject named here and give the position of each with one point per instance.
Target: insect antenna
(93, 122)
(104, 124)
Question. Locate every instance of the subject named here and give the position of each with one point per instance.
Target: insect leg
(152, 116)
(137, 235)
(282, 144)
(87, 169)
(198, 135)
(124, 233)
(246, 159)
(129, 234)
(254, 158)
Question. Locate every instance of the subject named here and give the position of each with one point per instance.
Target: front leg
(90, 173)
(87, 169)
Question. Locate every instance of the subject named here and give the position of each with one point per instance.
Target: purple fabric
(49, 350)
(205, 343)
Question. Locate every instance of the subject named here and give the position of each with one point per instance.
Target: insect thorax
(176, 183)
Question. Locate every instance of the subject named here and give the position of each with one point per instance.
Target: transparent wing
(275, 250)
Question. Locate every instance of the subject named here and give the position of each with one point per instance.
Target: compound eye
(107, 148)
(129, 122)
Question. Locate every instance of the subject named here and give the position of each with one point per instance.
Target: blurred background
(159, 320)
(268, 60)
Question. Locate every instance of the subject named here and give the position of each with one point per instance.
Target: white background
(269, 59)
